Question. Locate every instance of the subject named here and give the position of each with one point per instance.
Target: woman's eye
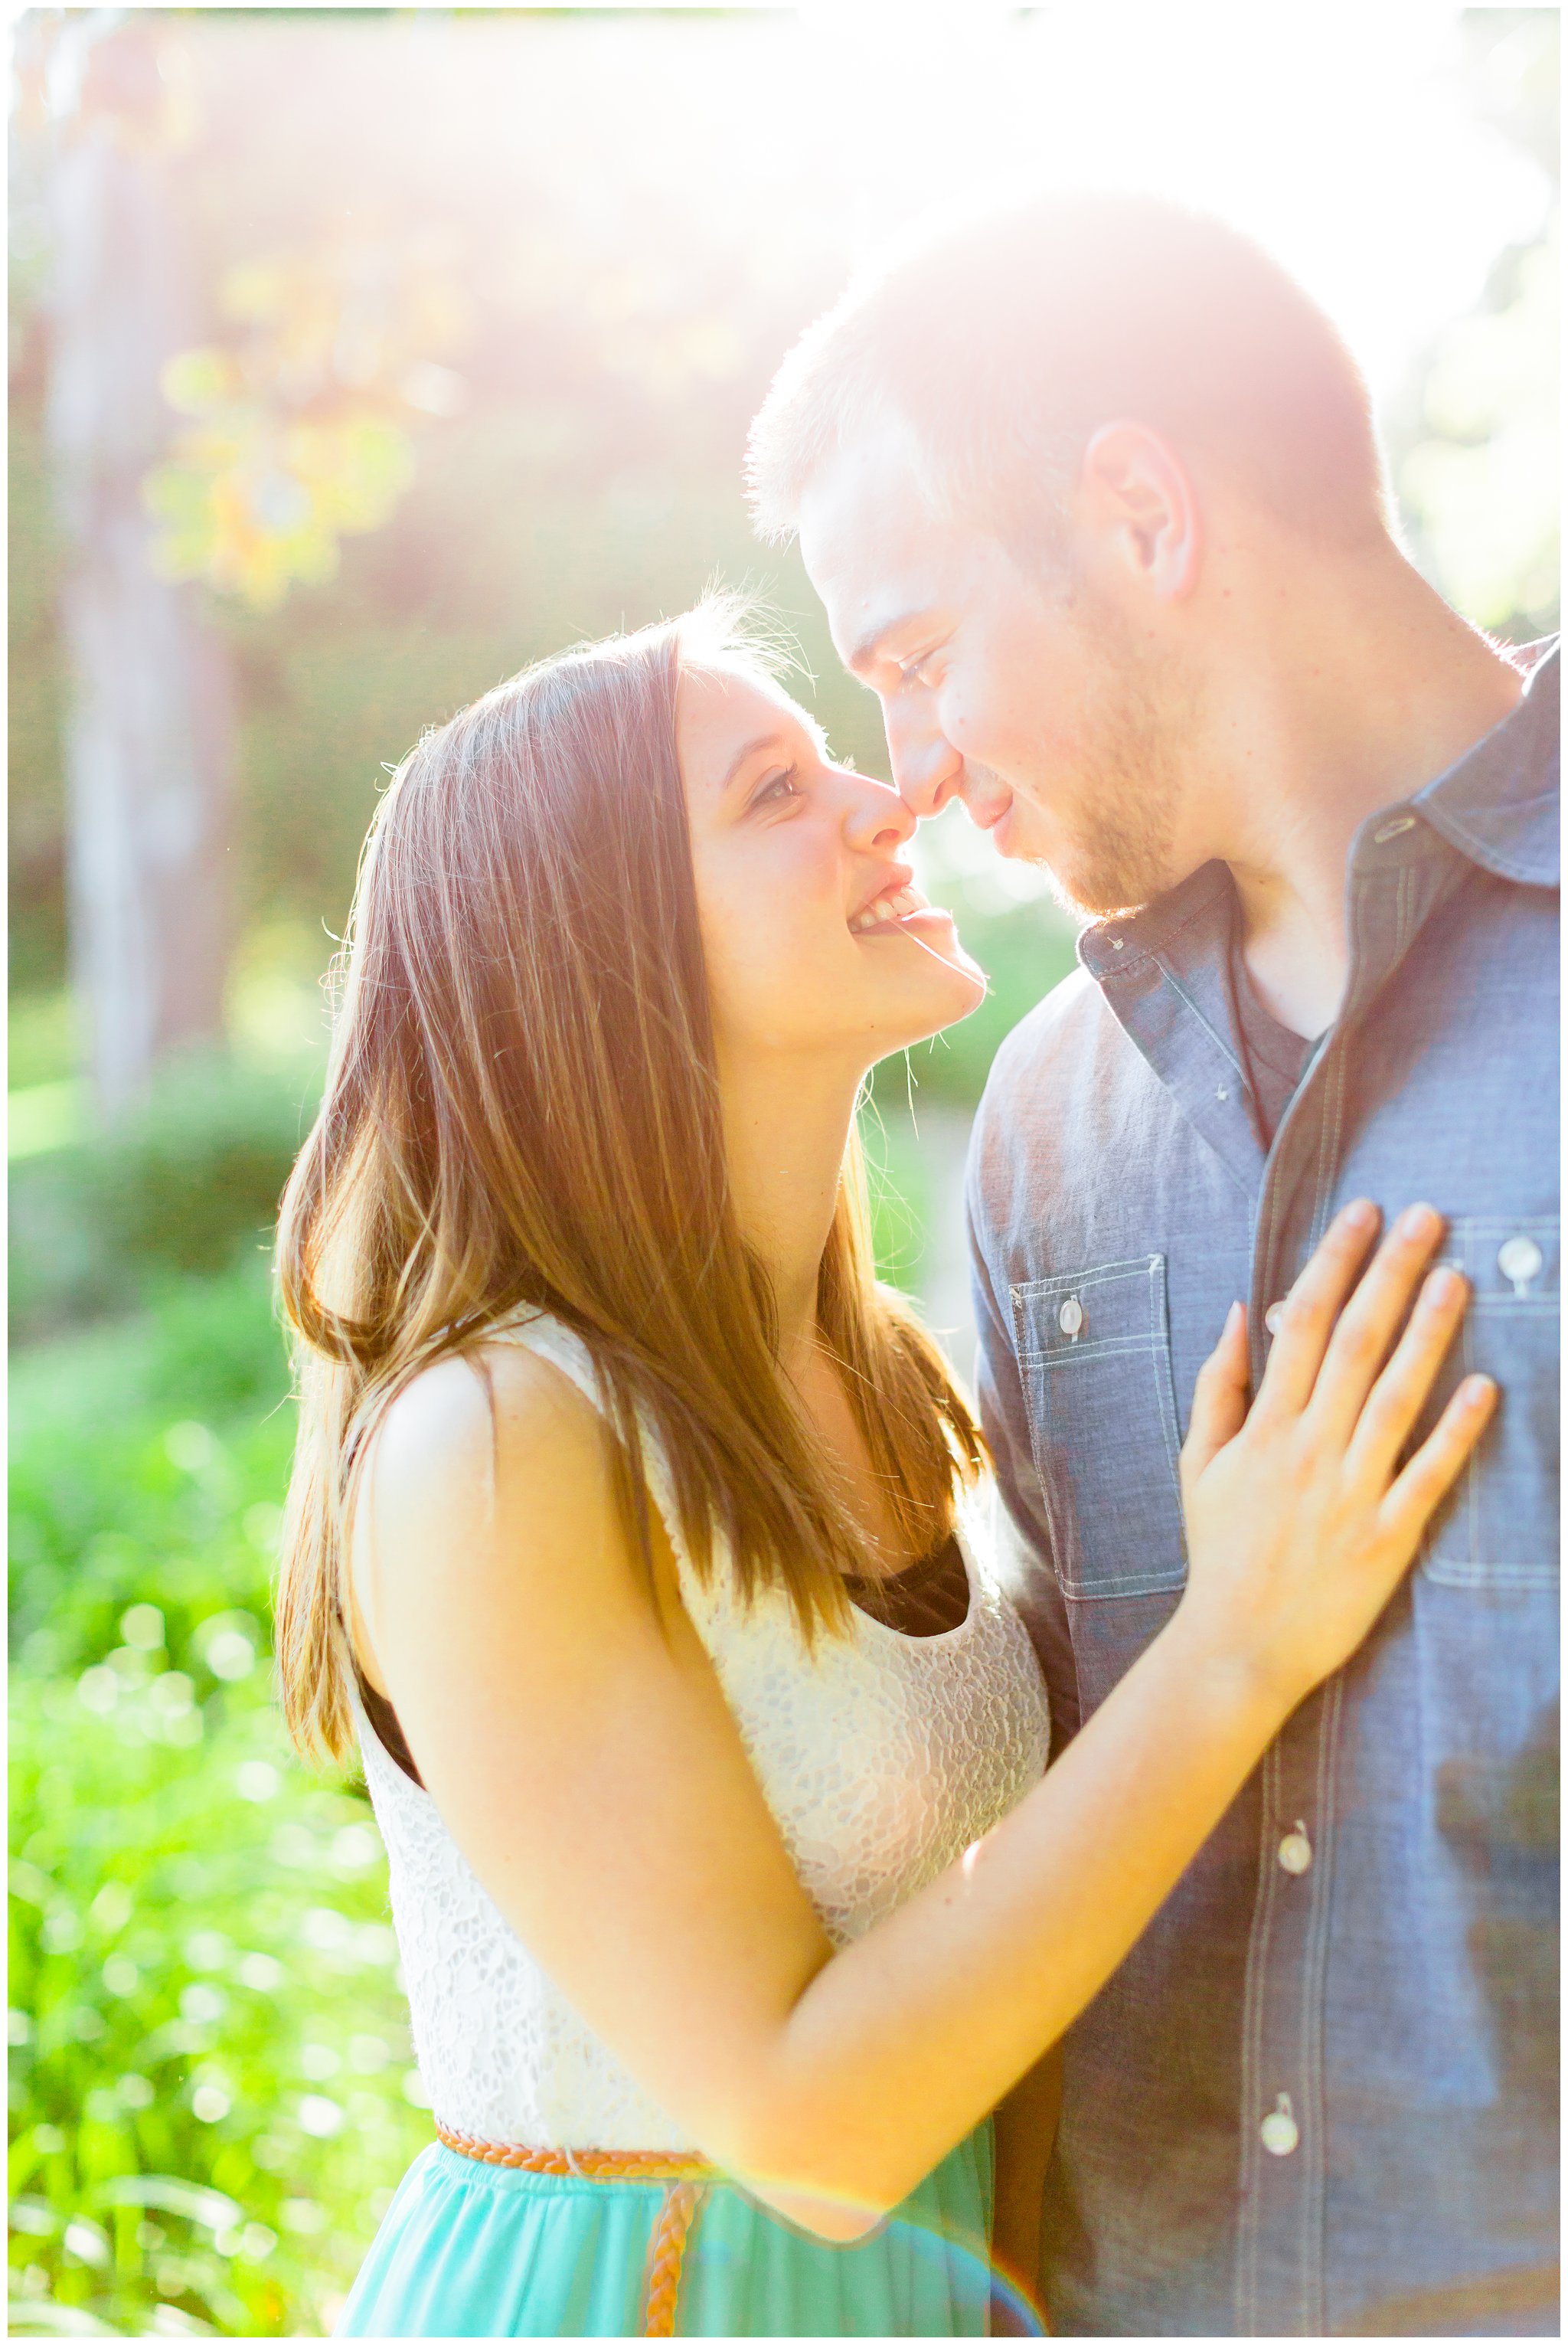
(777, 788)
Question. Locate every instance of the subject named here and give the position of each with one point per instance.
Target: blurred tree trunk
(150, 727)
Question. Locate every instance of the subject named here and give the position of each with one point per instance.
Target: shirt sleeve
(1025, 1563)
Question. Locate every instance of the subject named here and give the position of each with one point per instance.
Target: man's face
(1037, 695)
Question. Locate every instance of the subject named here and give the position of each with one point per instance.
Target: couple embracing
(865, 1866)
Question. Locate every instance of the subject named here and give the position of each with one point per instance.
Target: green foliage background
(212, 2094)
(210, 2073)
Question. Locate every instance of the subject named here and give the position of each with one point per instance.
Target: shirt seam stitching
(1251, 2058)
(1182, 995)
(1459, 834)
(1314, 2199)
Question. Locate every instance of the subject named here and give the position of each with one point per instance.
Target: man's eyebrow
(864, 652)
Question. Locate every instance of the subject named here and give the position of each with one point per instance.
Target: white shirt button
(1272, 1316)
(1385, 832)
(1519, 1259)
(1279, 2132)
(1070, 1317)
(1296, 1850)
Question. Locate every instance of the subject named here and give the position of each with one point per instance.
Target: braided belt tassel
(666, 2258)
(684, 2179)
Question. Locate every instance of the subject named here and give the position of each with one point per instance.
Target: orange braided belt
(684, 2178)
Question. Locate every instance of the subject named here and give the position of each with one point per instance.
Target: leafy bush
(183, 1185)
(202, 1164)
(121, 1493)
(211, 2071)
(210, 2054)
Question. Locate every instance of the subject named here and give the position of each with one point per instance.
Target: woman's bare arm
(575, 1737)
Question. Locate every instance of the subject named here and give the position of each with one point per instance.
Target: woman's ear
(1138, 497)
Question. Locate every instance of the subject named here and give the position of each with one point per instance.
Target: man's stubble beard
(1140, 723)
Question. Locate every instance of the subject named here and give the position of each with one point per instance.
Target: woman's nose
(877, 820)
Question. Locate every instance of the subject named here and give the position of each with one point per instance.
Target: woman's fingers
(1370, 1321)
(1432, 1473)
(1402, 1392)
(1308, 1314)
(1219, 1397)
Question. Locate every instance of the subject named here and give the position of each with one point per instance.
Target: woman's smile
(897, 904)
(789, 850)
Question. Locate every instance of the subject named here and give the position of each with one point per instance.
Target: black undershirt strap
(924, 1599)
(389, 1733)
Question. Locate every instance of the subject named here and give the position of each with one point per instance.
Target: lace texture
(882, 1758)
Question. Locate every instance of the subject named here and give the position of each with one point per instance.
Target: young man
(1091, 495)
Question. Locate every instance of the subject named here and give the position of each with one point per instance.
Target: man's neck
(1363, 687)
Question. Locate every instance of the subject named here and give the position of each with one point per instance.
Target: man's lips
(992, 814)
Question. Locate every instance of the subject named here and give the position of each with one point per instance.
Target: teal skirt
(473, 2250)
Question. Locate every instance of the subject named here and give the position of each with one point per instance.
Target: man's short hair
(1002, 340)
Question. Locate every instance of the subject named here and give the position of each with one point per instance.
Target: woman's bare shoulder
(480, 1435)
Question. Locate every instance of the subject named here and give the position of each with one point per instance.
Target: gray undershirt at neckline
(1273, 1056)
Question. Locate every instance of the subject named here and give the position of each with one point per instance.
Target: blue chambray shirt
(1319, 2097)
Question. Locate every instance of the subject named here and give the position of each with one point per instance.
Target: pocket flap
(1083, 1314)
(1094, 1354)
(1513, 1261)
(1497, 1528)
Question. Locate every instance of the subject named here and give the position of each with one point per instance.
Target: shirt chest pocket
(1499, 1526)
(1093, 1353)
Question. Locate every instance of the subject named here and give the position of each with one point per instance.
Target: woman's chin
(950, 966)
(950, 987)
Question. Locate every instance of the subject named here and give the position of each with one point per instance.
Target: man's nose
(876, 819)
(927, 771)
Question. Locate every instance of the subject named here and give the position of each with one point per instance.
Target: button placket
(1280, 2280)
(1279, 2277)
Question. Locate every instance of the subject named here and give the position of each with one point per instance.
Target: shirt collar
(1498, 805)
(1112, 948)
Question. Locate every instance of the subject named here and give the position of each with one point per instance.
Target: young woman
(629, 1536)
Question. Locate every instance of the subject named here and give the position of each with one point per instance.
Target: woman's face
(817, 943)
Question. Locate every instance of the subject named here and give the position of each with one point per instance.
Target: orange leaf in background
(303, 434)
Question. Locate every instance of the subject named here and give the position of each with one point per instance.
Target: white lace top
(883, 1757)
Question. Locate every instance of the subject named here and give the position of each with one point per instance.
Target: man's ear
(1137, 498)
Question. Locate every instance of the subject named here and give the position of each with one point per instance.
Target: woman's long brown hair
(522, 1109)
